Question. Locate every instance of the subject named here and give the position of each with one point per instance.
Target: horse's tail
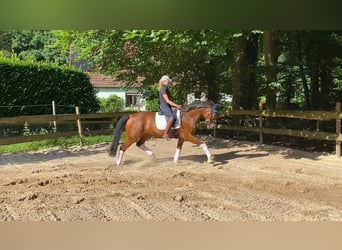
(117, 134)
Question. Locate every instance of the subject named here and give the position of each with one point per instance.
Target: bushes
(23, 83)
(151, 95)
(152, 105)
(112, 103)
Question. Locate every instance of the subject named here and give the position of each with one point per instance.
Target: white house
(107, 85)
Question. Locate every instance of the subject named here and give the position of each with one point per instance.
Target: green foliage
(195, 59)
(152, 105)
(29, 88)
(27, 131)
(150, 92)
(308, 68)
(151, 95)
(37, 46)
(308, 63)
(5, 40)
(225, 106)
(112, 103)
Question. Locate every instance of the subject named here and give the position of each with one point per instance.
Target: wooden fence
(111, 118)
(55, 120)
(305, 115)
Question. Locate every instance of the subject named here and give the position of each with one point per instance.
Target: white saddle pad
(161, 121)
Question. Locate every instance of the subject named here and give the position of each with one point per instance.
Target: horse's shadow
(223, 158)
(219, 159)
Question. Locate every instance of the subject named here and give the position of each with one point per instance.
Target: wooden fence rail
(259, 115)
(76, 119)
(305, 115)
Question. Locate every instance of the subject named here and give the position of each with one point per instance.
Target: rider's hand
(178, 106)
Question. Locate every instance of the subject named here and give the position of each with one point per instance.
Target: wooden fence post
(79, 126)
(338, 129)
(261, 135)
(54, 113)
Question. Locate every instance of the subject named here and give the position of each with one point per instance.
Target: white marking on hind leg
(148, 151)
(119, 157)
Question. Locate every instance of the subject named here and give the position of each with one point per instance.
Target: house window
(132, 100)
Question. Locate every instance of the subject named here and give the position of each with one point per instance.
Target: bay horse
(141, 127)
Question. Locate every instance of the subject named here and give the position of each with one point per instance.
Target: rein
(213, 112)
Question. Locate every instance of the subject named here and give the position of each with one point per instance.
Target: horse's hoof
(211, 160)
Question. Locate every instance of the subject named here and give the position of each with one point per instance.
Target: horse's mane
(197, 105)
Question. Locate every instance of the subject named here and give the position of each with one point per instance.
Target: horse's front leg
(206, 151)
(178, 150)
(203, 146)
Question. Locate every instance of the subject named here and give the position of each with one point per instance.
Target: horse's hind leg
(119, 156)
(141, 144)
(122, 150)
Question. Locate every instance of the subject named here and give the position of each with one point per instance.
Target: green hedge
(112, 103)
(23, 84)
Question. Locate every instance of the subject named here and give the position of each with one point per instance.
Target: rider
(166, 104)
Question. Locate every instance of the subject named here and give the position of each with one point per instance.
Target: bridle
(211, 118)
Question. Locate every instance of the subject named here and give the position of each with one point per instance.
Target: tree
(194, 59)
(308, 68)
(322, 52)
(284, 66)
(113, 103)
(244, 76)
(271, 70)
(5, 41)
(37, 46)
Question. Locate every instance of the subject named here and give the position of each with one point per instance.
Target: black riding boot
(167, 129)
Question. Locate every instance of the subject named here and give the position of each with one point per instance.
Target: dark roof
(102, 81)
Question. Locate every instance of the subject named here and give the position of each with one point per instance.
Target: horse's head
(210, 115)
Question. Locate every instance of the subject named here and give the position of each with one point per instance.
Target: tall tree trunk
(326, 87)
(252, 59)
(244, 76)
(271, 73)
(212, 84)
(315, 92)
(239, 75)
(315, 95)
(302, 73)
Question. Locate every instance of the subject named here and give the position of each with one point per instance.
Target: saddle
(161, 119)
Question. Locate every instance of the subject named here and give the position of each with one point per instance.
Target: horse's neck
(195, 114)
